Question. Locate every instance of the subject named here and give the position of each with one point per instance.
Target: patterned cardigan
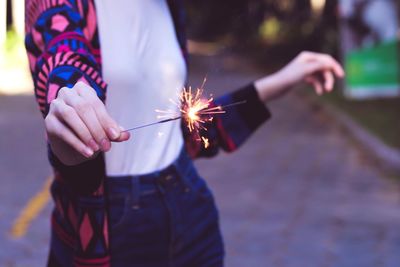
(63, 47)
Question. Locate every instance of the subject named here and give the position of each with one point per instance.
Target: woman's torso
(144, 68)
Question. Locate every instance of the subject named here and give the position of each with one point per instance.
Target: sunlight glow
(318, 5)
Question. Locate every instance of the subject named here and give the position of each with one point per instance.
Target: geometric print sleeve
(62, 45)
(63, 48)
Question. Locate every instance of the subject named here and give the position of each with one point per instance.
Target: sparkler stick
(151, 124)
(210, 111)
(194, 110)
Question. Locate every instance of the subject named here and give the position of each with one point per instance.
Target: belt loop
(135, 192)
(180, 172)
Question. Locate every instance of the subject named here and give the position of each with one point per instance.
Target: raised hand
(317, 69)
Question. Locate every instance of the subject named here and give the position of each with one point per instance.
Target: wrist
(271, 87)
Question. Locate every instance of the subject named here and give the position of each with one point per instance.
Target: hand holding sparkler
(78, 125)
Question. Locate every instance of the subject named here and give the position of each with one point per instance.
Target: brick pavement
(298, 193)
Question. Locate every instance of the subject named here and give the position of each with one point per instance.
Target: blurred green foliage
(13, 50)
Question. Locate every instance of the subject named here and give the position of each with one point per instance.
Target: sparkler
(194, 109)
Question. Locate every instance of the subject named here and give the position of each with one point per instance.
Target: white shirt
(144, 68)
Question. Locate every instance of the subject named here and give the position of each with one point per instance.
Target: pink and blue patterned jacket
(62, 42)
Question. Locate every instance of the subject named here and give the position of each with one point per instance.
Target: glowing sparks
(205, 141)
(193, 108)
(196, 110)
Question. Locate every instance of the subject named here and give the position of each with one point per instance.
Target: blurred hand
(78, 125)
(319, 70)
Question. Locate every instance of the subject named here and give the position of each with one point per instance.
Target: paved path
(23, 169)
(298, 193)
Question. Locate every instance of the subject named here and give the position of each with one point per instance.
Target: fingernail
(113, 133)
(105, 144)
(88, 152)
(127, 135)
(93, 145)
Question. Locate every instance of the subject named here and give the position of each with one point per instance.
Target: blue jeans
(164, 219)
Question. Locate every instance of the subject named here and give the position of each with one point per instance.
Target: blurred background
(318, 185)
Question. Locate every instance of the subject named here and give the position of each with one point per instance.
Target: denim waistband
(137, 185)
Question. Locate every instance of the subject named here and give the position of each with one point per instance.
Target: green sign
(373, 71)
(370, 44)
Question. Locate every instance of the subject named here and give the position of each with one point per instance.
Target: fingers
(124, 135)
(332, 64)
(114, 132)
(329, 80)
(82, 111)
(316, 84)
(316, 69)
(68, 115)
(109, 125)
(57, 129)
(324, 65)
(87, 114)
(322, 62)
